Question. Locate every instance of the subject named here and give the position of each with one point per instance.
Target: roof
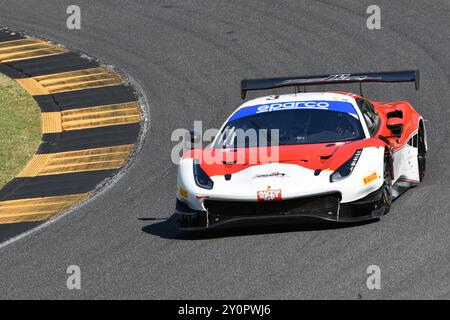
(302, 96)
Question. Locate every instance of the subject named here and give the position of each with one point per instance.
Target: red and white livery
(336, 156)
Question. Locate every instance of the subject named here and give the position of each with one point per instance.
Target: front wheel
(387, 188)
(422, 154)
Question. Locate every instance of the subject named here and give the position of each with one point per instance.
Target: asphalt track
(189, 57)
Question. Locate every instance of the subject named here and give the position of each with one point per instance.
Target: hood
(323, 156)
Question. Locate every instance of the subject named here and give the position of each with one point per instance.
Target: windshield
(293, 127)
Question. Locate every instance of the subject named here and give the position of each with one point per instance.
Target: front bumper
(327, 207)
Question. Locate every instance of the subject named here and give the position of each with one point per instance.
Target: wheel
(387, 188)
(422, 154)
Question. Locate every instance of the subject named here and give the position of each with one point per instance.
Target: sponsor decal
(370, 178)
(293, 105)
(340, 106)
(268, 175)
(183, 192)
(269, 195)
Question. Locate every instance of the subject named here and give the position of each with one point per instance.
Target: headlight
(346, 169)
(201, 178)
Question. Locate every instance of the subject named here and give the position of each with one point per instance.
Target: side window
(370, 116)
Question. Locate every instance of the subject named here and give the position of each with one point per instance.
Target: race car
(336, 156)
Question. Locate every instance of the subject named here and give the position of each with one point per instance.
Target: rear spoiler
(272, 83)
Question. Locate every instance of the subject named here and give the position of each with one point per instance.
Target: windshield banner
(340, 106)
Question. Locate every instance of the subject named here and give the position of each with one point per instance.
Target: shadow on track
(167, 229)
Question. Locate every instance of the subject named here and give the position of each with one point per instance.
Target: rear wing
(273, 83)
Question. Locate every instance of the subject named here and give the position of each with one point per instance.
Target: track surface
(189, 58)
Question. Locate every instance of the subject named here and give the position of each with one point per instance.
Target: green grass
(20, 128)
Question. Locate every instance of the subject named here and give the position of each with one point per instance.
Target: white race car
(336, 156)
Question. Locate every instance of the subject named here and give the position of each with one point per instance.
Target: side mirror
(396, 126)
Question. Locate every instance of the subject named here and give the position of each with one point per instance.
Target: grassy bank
(20, 131)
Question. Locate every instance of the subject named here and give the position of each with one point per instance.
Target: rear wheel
(387, 188)
(422, 153)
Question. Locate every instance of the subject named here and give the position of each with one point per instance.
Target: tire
(387, 188)
(422, 154)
